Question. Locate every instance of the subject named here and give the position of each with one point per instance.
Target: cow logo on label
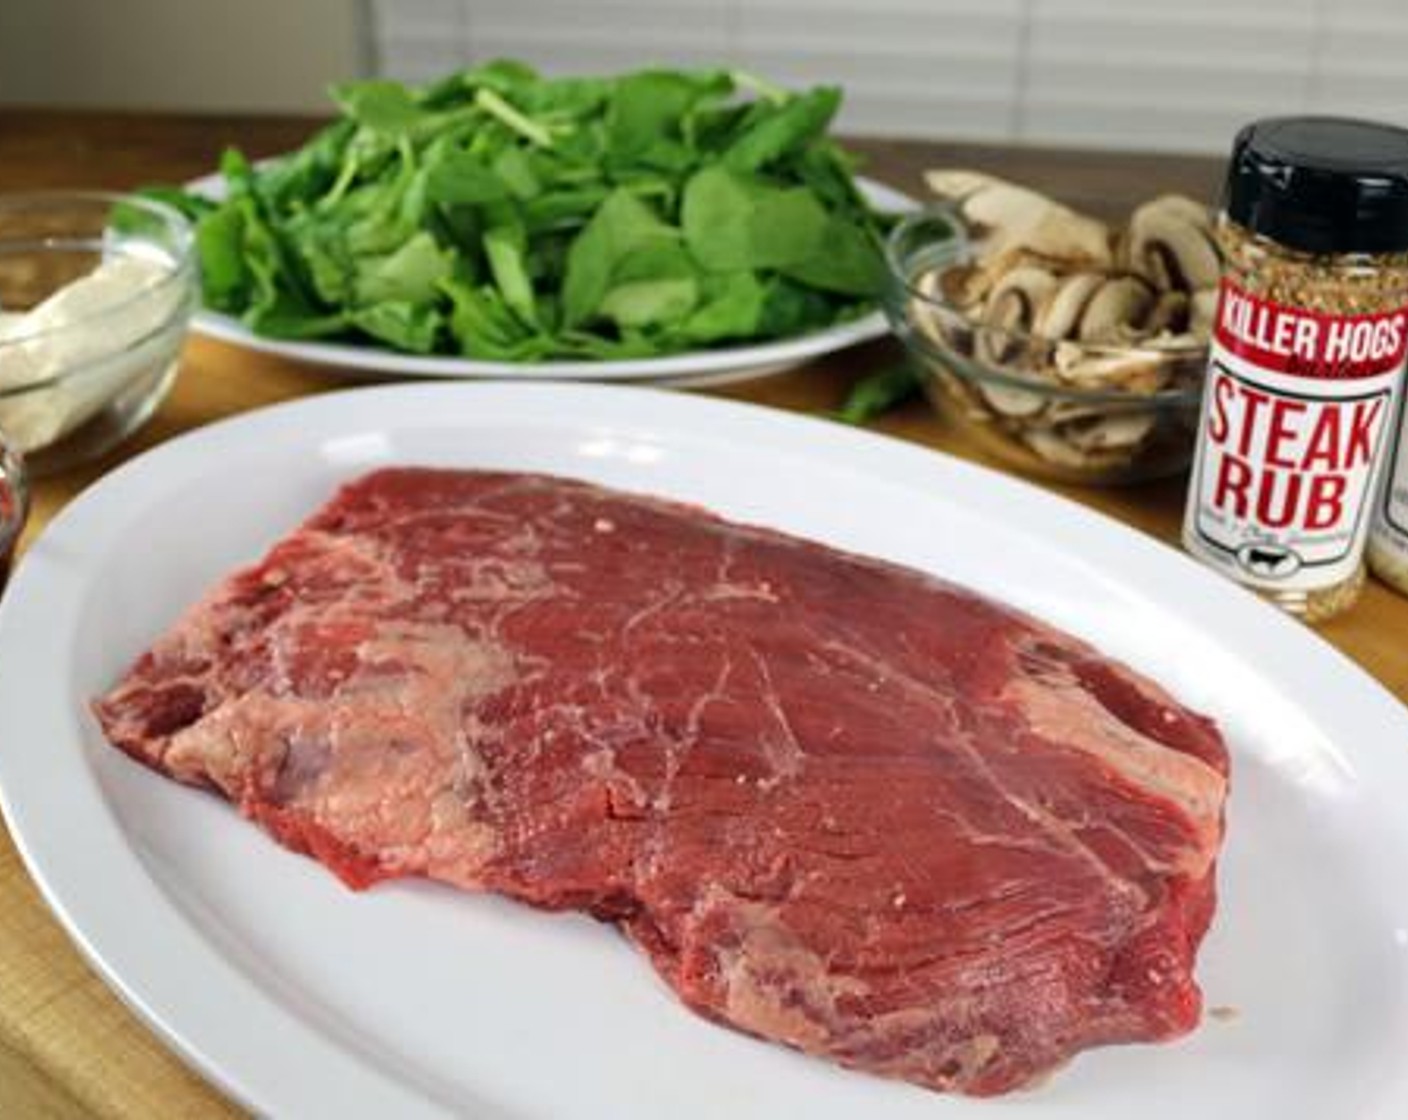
(1268, 560)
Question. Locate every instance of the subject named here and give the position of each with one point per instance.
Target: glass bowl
(1064, 410)
(88, 367)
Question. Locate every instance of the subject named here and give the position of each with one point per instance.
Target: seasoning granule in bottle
(1307, 358)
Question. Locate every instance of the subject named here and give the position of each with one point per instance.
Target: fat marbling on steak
(841, 804)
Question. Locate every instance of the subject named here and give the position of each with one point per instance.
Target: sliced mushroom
(1011, 309)
(1186, 340)
(975, 285)
(931, 284)
(1134, 338)
(1009, 312)
(1070, 409)
(1169, 314)
(963, 285)
(1111, 432)
(1202, 306)
(962, 394)
(1181, 206)
(956, 184)
(1008, 218)
(1121, 301)
(1061, 232)
(1007, 400)
(926, 318)
(1018, 298)
(1131, 371)
(1062, 315)
(1170, 242)
(1052, 448)
(1094, 307)
(991, 204)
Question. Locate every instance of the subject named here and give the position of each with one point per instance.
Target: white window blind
(1105, 73)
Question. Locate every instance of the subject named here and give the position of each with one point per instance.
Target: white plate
(304, 999)
(690, 370)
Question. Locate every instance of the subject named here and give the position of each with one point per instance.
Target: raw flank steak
(840, 804)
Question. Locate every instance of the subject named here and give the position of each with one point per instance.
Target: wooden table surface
(68, 1047)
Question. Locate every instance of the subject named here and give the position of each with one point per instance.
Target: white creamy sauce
(93, 354)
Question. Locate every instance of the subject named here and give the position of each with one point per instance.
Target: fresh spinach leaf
(649, 303)
(648, 110)
(731, 308)
(845, 259)
(785, 129)
(225, 276)
(379, 105)
(877, 393)
(401, 323)
(191, 206)
(733, 221)
(411, 275)
(499, 214)
(622, 225)
(458, 176)
(506, 246)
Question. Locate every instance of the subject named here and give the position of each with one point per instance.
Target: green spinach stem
(763, 88)
(496, 106)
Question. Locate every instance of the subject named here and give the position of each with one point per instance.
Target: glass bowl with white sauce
(96, 292)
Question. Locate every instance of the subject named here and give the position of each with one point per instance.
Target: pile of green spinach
(501, 215)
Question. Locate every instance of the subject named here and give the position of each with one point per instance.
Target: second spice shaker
(1307, 358)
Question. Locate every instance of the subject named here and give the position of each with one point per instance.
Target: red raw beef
(841, 804)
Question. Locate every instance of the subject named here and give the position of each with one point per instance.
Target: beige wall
(251, 55)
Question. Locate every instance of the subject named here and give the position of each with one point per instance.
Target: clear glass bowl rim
(183, 246)
(91, 367)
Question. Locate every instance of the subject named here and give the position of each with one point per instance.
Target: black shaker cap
(1321, 184)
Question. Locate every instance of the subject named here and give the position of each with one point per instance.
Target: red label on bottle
(1305, 343)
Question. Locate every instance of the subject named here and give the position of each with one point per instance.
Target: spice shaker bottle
(1307, 357)
(1388, 538)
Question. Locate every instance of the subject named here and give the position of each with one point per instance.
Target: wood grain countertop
(68, 1047)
